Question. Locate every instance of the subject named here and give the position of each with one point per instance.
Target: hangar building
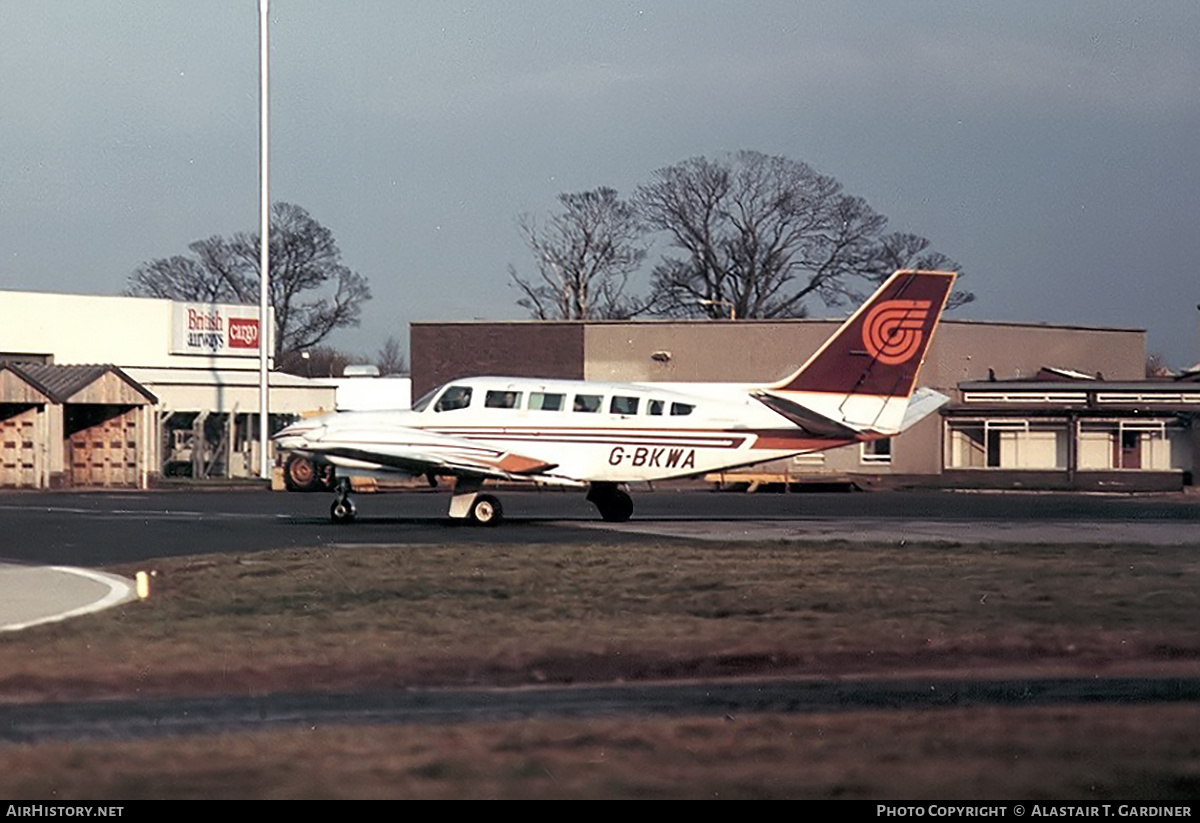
(112, 391)
(1089, 421)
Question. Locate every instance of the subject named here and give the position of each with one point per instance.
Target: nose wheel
(343, 509)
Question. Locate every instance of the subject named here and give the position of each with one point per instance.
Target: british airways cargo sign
(215, 329)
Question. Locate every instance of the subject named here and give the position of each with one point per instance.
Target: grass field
(452, 615)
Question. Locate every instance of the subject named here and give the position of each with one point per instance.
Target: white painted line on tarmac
(120, 591)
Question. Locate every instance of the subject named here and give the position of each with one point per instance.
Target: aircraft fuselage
(612, 432)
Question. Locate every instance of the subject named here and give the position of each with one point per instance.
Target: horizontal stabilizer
(811, 421)
(923, 403)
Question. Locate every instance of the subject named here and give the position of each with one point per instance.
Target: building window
(876, 451)
(1006, 444)
(1128, 444)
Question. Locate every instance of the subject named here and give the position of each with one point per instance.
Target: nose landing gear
(343, 509)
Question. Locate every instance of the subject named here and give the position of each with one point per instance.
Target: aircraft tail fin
(861, 381)
(879, 350)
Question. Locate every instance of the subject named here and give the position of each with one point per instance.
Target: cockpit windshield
(423, 402)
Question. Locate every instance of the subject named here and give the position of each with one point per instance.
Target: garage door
(105, 453)
(17, 450)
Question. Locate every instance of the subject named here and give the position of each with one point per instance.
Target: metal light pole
(264, 234)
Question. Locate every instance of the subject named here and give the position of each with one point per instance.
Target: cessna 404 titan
(858, 386)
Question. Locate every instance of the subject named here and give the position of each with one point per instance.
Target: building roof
(171, 376)
(61, 383)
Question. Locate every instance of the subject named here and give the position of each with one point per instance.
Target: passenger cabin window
(587, 402)
(502, 400)
(455, 397)
(623, 405)
(541, 401)
(681, 408)
(654, 407)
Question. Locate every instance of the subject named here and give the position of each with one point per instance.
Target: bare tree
(312, 291)
(1156, 365)
(584, 258)
(760, 236)
(901, 250)
(190, 278)
(390, 359)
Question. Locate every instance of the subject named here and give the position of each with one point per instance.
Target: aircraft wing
(408, 451)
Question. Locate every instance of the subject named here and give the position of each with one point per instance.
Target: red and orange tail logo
(880, 348)
(893, 330)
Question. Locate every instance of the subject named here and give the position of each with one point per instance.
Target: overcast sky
(1049, 147)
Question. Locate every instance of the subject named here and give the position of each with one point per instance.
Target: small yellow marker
(143, 585)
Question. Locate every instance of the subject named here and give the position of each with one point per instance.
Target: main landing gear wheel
(486, 511)
(618, 508)
(302, 474)
(615, 505)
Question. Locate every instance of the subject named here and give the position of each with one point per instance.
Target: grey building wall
(764, 351)
(745, 351)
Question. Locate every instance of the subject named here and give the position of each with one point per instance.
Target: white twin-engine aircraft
(859, 386)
